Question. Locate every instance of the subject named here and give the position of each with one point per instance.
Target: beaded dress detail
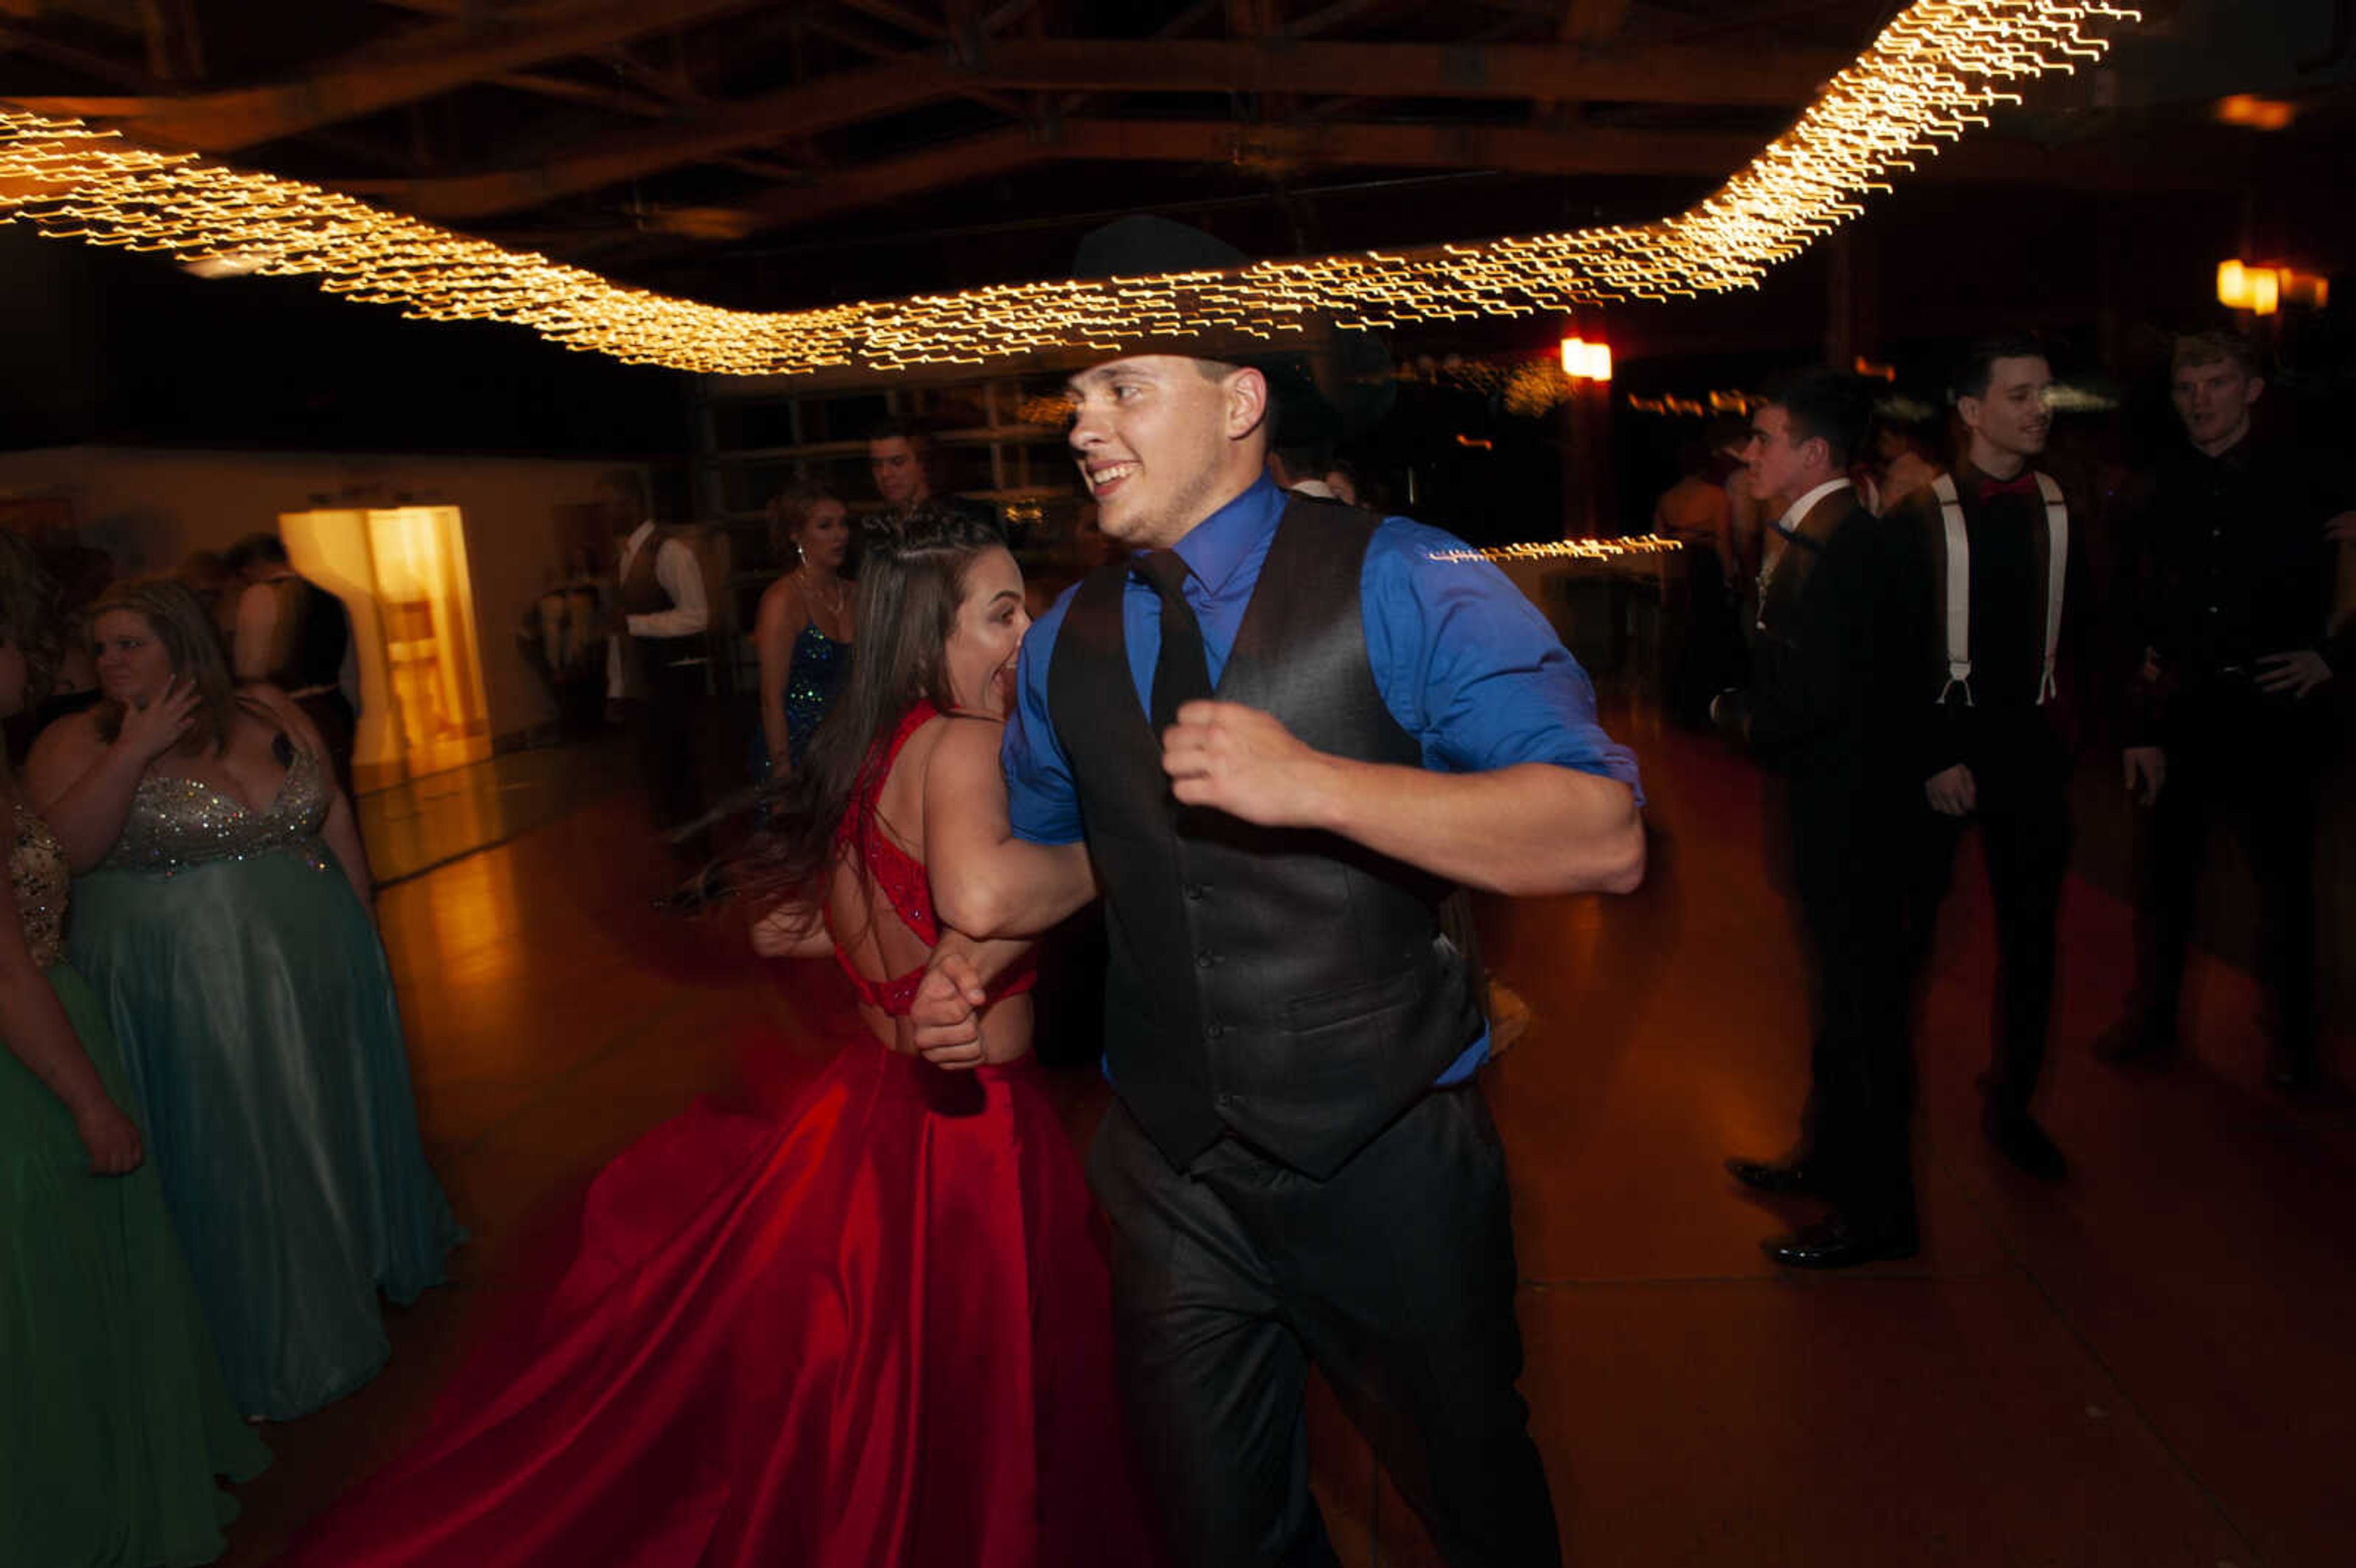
(813, 678)
(176, 823)
(37, 870)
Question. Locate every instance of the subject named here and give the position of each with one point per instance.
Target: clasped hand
(945, 1016)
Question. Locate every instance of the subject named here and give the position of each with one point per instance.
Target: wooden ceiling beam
(1502, 70)
(842, 97)
(175, 50)
(909, 22)
(1657, 74)
(589, 95)
(433, 59)
(1592, 21)
(1513, 148)
(874, 47)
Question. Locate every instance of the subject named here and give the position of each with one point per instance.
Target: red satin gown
(873, 1332)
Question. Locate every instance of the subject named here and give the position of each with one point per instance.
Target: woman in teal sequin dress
(224, 919)
(804, 631)
(114, 1422)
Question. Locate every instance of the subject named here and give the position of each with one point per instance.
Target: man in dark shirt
(1988, 575)
(2235, 603)
(1817, 714)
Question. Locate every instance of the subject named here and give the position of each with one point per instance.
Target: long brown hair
(28, 614)
(191, 643)
(912, 585)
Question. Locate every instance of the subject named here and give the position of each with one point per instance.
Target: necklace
(831, 603)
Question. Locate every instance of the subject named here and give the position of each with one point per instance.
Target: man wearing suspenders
(1991, 574)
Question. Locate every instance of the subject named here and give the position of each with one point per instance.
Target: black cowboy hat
(1357, 389)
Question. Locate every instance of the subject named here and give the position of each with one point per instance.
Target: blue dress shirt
(1464, 663)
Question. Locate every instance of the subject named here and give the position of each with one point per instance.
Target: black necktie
(1181, 674)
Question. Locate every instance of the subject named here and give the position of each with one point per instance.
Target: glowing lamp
(2265, 291)
(1585, 361)
(2257, 113)
(2232, 286)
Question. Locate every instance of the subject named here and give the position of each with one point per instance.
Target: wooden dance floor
(2152, 1364)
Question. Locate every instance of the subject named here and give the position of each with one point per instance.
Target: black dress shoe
(2017, 1137)
(1837, 1242)
(1776, 1175)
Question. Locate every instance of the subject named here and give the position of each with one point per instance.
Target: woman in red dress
(874, 1333)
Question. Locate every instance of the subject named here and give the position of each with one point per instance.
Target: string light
(1932, 74)
(1568, 549)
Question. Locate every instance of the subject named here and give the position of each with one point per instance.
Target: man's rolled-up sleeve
(1043, 803)
(1468, 665)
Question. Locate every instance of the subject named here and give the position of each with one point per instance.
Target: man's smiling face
(1156, 438)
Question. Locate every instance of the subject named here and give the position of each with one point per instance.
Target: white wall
(150, 509)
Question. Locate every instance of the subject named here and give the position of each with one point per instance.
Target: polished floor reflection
(2151, 1364)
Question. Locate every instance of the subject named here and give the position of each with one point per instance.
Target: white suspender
(2057, 569)
(1959, 584)
(1959, 591)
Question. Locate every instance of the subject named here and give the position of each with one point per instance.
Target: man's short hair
(255, 548)
(915, 431)
(1978, 367)
(2215, 348)
(1826, 405)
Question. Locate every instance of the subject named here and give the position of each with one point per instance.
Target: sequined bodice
(36, 868)
(176, 823)
(812, 678)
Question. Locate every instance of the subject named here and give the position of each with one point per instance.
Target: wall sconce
(2262, 291)
(1585, 361)
(2257, 113)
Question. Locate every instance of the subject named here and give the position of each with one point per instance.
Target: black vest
(1288, 985)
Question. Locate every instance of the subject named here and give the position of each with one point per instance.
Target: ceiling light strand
(1931, 76)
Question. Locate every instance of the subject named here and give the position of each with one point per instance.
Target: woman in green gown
(224, 917)
(114, 1422)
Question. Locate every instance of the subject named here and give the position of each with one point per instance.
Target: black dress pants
(2023, 818)
(1394, 1277)
(2256, 768)
(666, 725)
(1857, 1133)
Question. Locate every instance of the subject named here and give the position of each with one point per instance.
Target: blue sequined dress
(812, 678)
(258, 1026)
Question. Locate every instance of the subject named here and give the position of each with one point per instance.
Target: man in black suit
(1818, 711)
